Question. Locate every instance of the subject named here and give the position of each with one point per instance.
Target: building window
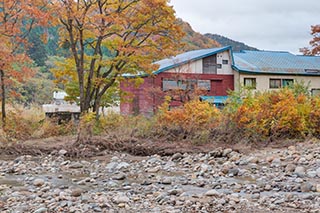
(168, 84)
(275, 83)
(186, 84)
(219, 66)
(225, 61)
(287, 82)
(250, 83)
(280, 83)
(210, 65)
(315, 92)
(204, 85)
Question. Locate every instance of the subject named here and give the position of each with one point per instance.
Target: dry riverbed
(221, 180)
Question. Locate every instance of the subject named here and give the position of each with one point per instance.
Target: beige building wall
(192, 67)
(226, 68)
(196, 67)
(263, 81)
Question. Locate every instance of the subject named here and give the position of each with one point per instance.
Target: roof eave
(272, 73)
(195, 59)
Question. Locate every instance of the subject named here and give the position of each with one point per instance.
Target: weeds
(288, 113)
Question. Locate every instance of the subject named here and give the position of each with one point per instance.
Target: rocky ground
(222, 180)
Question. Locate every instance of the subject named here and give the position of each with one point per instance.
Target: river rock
(306, 187)
(176, 156)
(120, 198)
(75, 165)
(41, 210)
(120, 176)
(299, 171)
(62, 152)
(212, 192)
(318, 172)
(76, 192)
(38, 182)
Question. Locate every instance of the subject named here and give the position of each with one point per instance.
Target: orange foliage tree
(17, 18)
(315, 42)
(109, 38)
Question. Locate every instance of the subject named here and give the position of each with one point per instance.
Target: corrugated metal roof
(186, 57)
(183, 58)
(276, 62)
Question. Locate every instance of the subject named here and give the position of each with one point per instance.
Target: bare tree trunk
(3, 99)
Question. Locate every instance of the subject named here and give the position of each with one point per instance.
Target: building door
(217, 87)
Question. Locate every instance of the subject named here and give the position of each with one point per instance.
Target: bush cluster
(278, 114)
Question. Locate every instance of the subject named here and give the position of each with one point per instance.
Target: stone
(120, 198)
(318, 172)
(311, 174)
(290, 167)
(62, 152)
(212, 192)
(38, 182)
(317, 188)
(306, 187)
(154, 169)
(166, 180)
(120, 176)
(226, 152)
(122, 165)
(233, 172)
(111, 166)
(299, 171)
(276, 162)
(176, 156)
(76, 192)
(41, 210)
(75, 165)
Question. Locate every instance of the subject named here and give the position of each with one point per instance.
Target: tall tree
(17, 18)
(315, 42)
(109, 38)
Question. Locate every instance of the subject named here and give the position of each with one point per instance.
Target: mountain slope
(224, 41)
(194, 40)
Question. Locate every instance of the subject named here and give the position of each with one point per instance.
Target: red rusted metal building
(208, 71)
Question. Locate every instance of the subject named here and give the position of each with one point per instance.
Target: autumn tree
(315, 42)
(110, 38)
(17, 18)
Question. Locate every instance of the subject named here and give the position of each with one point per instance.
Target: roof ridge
(261, 51)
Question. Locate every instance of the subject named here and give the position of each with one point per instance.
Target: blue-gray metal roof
(273, 62)
(214, 99)
(187, 57)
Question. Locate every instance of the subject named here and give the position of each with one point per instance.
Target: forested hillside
(224, 41)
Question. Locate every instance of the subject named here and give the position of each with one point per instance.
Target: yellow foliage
(192, 116)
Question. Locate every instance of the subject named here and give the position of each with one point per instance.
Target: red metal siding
(146, 98)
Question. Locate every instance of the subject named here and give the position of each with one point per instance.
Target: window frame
(279, 80)
(283, 84)
(253, 84)
(313, 90)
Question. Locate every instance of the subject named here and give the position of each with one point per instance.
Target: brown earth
(100, 145)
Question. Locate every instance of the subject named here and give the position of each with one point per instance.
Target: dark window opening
(275, 83)
(287, 82)
(315, 92)
(186, 84)
(210, 65)
(280, 83)
(225, 61)
(250, 83)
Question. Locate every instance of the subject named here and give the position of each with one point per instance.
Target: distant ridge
(224, 41)
(194, 40)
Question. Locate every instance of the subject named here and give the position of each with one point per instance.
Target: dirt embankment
(99, 145)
